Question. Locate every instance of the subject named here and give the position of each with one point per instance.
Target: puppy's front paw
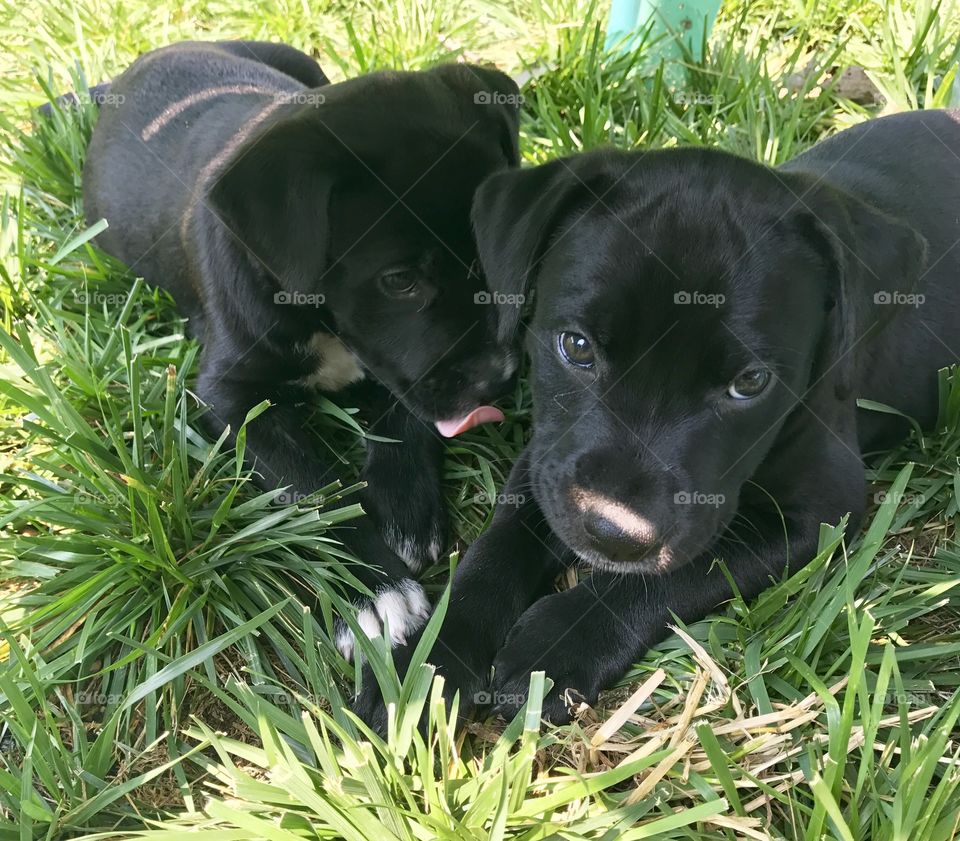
(401, 606)
(368, 703)
(463, 666)
(545, 639)
(411, 520)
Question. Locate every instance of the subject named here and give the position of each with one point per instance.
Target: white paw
(402, 608)
(415, 555)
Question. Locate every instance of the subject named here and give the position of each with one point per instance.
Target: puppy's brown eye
(399, 284)
(576, 349)
(749, 384)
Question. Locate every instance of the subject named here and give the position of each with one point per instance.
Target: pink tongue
(482, 414)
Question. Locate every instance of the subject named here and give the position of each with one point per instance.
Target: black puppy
(318, 237)
(704, 326)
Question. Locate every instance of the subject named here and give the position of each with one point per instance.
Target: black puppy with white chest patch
(318, 237)
(704, 326)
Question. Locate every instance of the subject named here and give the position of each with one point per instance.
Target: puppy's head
(686, 301)
(354, 201)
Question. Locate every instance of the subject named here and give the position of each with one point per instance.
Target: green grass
(159, 670)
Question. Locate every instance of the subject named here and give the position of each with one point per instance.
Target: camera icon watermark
(908, 299)
(699, 498)
(699, 299)
(497, 98)
(299, 299)
(500, 298)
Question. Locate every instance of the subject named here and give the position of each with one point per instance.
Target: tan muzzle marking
(624, 518)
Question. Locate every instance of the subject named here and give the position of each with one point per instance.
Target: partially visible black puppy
(704, 326)
(318, 237)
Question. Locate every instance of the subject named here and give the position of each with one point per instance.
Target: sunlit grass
(162, 659)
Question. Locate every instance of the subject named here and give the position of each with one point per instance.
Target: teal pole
(624, 15)
(671, 23)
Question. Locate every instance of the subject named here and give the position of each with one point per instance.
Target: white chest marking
(336, 366)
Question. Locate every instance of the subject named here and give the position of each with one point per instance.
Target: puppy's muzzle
(616, 531)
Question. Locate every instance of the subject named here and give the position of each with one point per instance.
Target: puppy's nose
(614, 541)
(615, 529)
(492, 376)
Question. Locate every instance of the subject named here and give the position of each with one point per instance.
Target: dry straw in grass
(765, 745)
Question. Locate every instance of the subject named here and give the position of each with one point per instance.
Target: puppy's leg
(585, 638)
(512, 563)
(404, 492)
(284, 454)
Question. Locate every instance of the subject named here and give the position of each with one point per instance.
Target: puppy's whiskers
(743, 519)
(558, 395)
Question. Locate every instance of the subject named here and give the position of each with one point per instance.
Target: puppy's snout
(502, 366)
(492, 375)
(618, 532)
(614, 541)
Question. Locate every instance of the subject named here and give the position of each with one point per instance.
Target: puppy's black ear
(517, 215)
(875, 261)
(494, 99)
(273, 195)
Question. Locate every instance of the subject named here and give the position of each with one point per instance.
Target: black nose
(614, 542)
(493, 376)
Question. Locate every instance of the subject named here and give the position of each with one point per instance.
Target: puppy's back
(903, 163)
(908, 166)
(170, 114)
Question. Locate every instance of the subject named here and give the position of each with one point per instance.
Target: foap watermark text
(497, 98)
(510, 699)
(299, 299)
(699, 299)
(698, 498)
(313, 98)
(513, 300)
(513, 500)
(902, 299)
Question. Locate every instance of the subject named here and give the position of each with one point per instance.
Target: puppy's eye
(749, 384)
(576, 349)
(399, 284)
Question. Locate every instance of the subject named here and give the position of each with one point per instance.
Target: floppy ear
(875, 261)
(517, 216)
(494, 99)
(273, 193)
